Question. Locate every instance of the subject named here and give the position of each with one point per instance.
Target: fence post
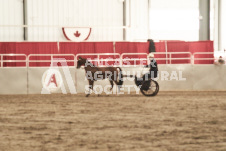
(1, 60)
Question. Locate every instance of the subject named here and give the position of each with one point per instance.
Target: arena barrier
(198, 78)
(172, 78)
(35, 80)
(13, 80)
(28, 77)
(182, 77)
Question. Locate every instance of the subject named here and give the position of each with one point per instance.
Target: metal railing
(168, 58)
(134, 60)
(116, 58)
(52, 60)
(13, 60)
(100, 61)
(195, 58)
(208, 56)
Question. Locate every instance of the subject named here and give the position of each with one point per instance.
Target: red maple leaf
(77, 34)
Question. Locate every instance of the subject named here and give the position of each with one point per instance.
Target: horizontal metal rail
(98, 59)
(214, 58)
(133, 59)
(119, 59)
(52, 60)
(15, 61)
(170, 58)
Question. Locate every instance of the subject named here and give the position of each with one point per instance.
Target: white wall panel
(223, 26)
(174, 20)
(105, 16)
(76, 13)
(137, 19)
(11, 13)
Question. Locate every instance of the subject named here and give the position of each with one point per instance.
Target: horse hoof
(87, 95)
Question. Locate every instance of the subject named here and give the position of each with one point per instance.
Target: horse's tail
(120, 77)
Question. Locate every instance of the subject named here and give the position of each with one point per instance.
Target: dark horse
(94, 73)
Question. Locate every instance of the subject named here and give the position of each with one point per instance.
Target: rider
(153, 72)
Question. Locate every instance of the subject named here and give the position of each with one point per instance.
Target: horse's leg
(92, 82)
(116, 80)
(90, 87)
(119, 86)
(112, 85)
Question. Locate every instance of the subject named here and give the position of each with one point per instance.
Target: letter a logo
(52, 80)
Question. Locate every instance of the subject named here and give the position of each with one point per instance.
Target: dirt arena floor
(170, 121)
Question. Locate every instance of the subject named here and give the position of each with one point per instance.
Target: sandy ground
(173, 121)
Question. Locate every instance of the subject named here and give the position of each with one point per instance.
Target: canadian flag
(76, 33)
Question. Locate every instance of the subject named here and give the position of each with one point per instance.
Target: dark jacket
(153, 68)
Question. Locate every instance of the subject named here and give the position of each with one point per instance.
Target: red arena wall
(110, 47)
